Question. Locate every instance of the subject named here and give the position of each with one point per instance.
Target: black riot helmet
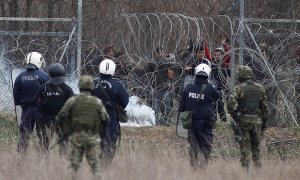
(57, 73)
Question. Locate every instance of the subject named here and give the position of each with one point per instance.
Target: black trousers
(200, 147)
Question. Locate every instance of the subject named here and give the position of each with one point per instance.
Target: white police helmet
(202, 70)
(34, 60)
(107, 66)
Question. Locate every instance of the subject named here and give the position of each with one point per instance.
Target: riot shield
(18, 109)
(180, 131)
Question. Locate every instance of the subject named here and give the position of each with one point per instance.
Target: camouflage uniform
(85, 114)
(248, 105)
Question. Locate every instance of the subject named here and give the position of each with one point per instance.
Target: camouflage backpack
(86, 107)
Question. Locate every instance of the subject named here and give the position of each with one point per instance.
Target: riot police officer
(113, 94)
(200, 98)
(25, 88)
(50, 99)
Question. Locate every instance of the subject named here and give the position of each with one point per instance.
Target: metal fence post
(79, 36)
(241, 33)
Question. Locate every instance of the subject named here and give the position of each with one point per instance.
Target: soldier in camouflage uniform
(85, 114)
(248, 106)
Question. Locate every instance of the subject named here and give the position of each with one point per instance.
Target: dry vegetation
(142, 165)
(145, 152)
(153, 153)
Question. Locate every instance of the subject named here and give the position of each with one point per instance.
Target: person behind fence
(163, 70)
(219, 74)
(248, 107)
(50, 99)
(86, 116)
(198, 58)
(198, 99)
(114, 97)
(25, 88)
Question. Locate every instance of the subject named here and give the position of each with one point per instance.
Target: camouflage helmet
(244, 72)
(86, 83)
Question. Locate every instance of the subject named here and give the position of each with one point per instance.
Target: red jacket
(206, 51)
(226, 58)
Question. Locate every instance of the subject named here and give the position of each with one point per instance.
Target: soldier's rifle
(62, 139)
(235, 127)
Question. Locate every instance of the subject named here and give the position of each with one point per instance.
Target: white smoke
(139, 114)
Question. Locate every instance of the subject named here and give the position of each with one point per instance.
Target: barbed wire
(141, 33)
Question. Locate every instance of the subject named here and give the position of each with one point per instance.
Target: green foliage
(8, 131)
(222, 126)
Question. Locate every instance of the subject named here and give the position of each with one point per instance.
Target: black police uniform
(200, 135)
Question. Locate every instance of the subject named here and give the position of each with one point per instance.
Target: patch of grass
(8, 132)
(296, 130)
(7, 116)
(222, 126)
(4, 123)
